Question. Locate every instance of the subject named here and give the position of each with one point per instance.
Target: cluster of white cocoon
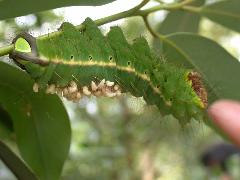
(74, 93)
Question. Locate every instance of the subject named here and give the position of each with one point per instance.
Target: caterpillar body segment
(77, 63)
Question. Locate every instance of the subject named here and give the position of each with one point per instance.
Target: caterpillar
(76, 63)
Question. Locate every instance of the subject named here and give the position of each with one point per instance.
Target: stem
(159, 1)
(192, 9)
(169, 7)
(125, 14)
(156, 34)
(150, 29)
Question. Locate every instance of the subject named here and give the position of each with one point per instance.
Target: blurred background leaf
(181, 21)
(15, 8)
(226, 13)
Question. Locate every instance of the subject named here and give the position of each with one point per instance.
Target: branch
(125, 14)
(105, 20)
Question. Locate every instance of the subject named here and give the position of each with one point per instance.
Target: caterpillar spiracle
(76, 63)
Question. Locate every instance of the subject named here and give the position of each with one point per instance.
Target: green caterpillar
(76, 63)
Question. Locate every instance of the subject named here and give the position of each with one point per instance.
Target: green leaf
(15, 8)
(15, 164)
(40, 122)
(181, 21)
(220, 71)
(226, 13)
(6, 125)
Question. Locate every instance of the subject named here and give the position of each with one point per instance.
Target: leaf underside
(40, 122)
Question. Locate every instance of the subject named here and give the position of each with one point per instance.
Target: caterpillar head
(198, 87)
(25, 54)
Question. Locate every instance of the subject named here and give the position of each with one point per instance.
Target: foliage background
(123, 138)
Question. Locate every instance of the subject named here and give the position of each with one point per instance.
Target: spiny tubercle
(73, 92)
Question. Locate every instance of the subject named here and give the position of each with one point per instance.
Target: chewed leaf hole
(22, 45)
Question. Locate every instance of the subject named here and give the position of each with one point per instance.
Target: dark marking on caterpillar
(90, 58)
(75, 63)
(110, 58)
